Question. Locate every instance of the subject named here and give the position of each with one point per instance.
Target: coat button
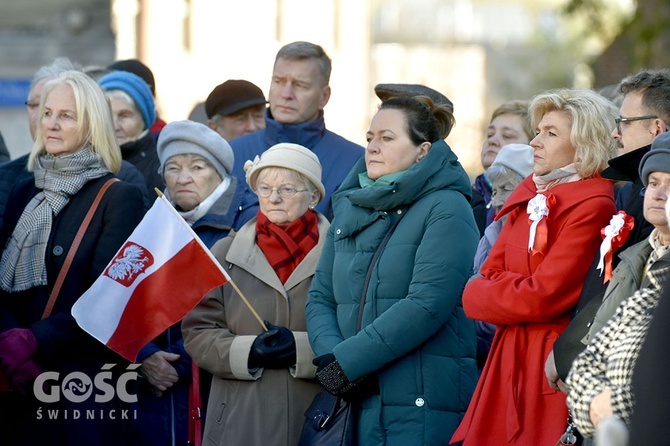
(419, 402)
(339, 231)
(58, 250)
(399, 211)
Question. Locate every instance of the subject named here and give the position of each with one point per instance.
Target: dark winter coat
(62, 346)
(415, 338)
(142, 154)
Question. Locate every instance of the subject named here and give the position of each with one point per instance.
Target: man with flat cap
(235, 108)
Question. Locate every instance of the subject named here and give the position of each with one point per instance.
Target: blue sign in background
(13, 92)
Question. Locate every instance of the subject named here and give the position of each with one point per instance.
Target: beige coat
(265, 408)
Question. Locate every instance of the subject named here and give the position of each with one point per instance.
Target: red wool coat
(530, 300)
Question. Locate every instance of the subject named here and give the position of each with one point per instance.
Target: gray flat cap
(387, 91)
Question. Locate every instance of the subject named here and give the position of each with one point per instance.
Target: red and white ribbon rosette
(537, 209)
(538, 238)
(614, 236)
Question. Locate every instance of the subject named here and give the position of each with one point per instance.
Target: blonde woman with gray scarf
(46, 266)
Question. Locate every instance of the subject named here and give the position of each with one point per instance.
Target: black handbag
(329, 422)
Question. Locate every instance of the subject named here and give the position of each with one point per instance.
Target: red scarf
(286, 246)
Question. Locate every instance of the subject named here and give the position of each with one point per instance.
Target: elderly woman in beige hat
(263, 380)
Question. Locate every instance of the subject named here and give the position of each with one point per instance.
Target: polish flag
(157, 277)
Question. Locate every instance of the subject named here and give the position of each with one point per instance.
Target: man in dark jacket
(298, 93)
(644, 114)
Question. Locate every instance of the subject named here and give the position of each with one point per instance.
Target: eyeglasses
(31, 104)
(284, 192)
(636, 118)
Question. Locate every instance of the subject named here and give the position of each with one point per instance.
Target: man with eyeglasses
(644, 114)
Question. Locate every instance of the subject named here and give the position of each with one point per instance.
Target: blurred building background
(478, 53)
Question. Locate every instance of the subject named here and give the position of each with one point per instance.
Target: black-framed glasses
(31, 104)
(636, 118)
(284, 192)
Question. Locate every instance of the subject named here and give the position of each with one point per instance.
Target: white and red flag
(157, 277)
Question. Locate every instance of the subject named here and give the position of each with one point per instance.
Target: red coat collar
(569, 192)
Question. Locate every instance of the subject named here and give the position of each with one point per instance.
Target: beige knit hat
(289, 156)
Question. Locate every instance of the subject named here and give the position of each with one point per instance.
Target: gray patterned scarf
(59, 177)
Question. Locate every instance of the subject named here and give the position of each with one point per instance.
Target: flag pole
(211, 256)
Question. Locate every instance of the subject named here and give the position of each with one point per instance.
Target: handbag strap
(375, 257)
(73, 248)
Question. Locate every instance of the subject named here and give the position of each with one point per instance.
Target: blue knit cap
(136, 88)
(657, 159)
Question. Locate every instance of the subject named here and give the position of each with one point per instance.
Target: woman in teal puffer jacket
(410, 370)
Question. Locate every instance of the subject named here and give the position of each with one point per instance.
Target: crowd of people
(505, 310)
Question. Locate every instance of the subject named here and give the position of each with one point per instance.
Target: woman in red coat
(535, 271)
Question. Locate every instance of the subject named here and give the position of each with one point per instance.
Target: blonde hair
(592, 118)
(518, 108)
(94, 119)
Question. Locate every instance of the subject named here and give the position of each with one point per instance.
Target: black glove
(273, 349)
(333, 379)
(321, 361)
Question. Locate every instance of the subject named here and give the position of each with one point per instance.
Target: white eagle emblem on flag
(129, 263)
